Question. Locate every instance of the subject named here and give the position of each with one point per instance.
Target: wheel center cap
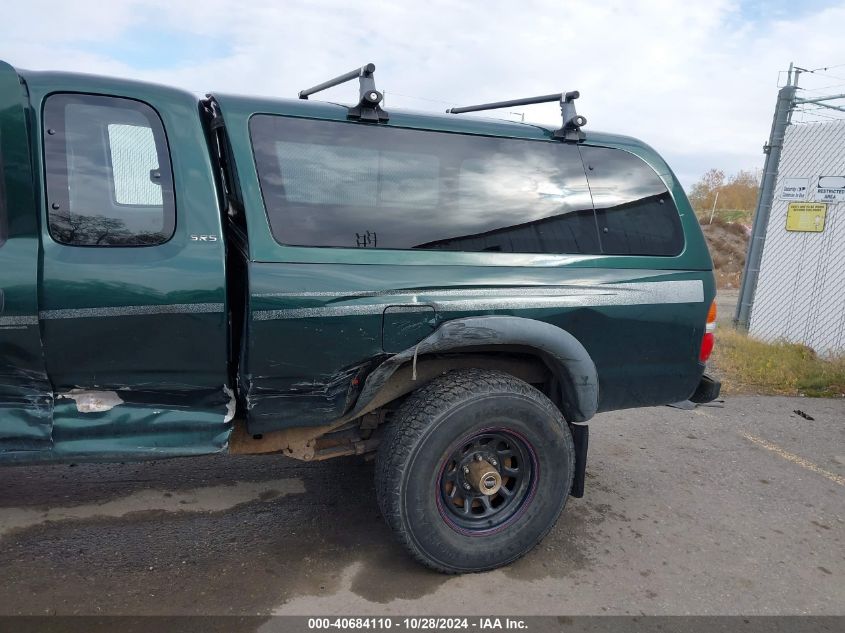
(484, 478)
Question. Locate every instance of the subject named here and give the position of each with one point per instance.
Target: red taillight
(708, 339)
(706, 347)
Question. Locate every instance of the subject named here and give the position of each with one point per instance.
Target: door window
(109, 181)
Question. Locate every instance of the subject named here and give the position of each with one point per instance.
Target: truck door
(132, 302)
(26, 400)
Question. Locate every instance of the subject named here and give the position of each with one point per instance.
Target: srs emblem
(203, 238)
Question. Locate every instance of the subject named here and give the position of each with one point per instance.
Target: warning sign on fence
(806, 216)
(831, 189)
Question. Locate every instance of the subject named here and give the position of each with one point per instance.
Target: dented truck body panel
(655, 315)
(134, 425)
(147, 325)
(26, 397)
(565, 357)
(135, 352)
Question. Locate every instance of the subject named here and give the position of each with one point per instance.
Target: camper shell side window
(337, 184)
(635, 211)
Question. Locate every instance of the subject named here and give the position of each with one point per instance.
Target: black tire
(426, 438)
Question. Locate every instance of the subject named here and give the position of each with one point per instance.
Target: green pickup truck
(452, 296)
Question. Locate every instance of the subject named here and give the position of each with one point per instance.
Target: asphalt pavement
(734, 509)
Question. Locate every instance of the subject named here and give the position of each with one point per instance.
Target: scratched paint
(231, 405)
(93, 401)
(630, 294)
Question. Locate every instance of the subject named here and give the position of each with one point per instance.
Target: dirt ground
(734, 509)
(728, 244)
(726, 299)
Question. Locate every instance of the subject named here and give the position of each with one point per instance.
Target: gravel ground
(734, 509)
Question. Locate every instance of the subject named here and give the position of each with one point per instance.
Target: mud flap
(707, 391)
(580, 436)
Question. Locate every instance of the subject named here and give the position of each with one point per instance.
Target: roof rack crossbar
(367, 108)
(572, 121)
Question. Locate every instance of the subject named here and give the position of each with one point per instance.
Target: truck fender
(562, 353)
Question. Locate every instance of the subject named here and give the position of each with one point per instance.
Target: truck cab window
(109, 181)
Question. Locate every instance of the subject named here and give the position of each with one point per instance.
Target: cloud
(695, 80)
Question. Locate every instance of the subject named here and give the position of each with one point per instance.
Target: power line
(816, 113)
(806, 112)
(451, 103)
(820, 74)
(399, 94)
(822, 88)
(830, 76)
(825, 68)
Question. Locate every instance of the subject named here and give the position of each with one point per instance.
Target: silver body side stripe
(173, 308)
(655, 292)
(18, 320)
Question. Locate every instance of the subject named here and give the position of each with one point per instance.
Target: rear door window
(338, 184)
(635, 212)
(109, 181)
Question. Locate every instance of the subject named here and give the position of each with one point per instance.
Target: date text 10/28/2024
(418, 623)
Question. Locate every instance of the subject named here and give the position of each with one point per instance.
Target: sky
(696, 80)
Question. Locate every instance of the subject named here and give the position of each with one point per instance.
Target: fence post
(783, 109)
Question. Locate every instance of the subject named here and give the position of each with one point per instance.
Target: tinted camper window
(635, 212)
(329, 183)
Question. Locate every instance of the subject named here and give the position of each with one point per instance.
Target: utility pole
(751, 272)
(713, 210)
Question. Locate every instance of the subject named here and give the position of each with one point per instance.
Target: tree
(740, 192)
(97, 230)
(703, 193)
(737, 192)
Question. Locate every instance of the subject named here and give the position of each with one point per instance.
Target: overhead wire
(815, 112)
(821, 74)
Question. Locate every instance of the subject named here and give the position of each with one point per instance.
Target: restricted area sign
(806, 216)
(831, 189)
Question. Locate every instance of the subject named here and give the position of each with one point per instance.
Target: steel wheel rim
(470, 511)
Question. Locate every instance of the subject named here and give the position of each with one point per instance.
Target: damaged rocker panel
(108, 425)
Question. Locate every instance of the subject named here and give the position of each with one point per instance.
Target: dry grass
(746, 365)
(740, 216)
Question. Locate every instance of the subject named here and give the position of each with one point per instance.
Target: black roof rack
(572, 121)
(368, 108)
